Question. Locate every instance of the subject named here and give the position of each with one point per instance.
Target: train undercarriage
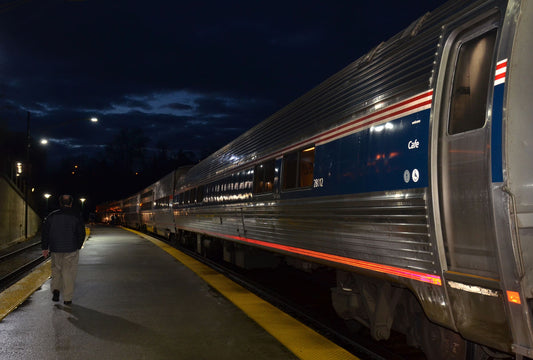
(362, 302)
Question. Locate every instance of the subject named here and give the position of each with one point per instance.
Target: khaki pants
(64, 271)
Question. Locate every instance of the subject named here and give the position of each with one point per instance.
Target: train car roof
(399, 67)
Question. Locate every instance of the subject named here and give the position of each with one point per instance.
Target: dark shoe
(56, 295)
(66, 302)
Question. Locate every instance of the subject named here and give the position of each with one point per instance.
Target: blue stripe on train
(496, 142)
(390, 156)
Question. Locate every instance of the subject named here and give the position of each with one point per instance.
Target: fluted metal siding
(388, 229)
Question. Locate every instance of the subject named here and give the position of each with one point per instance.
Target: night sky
(189, 76)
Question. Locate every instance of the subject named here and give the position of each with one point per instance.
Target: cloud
(189, 74)
(179, 106)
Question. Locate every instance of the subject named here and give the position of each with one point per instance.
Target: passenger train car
(408, 171)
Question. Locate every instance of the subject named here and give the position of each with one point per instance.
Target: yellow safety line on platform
(17, 293)
(302, 341)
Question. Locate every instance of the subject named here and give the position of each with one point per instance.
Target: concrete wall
(12, 215)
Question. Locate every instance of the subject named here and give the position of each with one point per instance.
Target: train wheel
(172, 239)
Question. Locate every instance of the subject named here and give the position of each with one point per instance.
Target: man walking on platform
(63, 234)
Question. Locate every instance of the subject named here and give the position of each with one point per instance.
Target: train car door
(463, 181)
(464, 171)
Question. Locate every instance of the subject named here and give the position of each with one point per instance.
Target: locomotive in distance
(408, 172)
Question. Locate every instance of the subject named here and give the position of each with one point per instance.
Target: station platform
(138, 298)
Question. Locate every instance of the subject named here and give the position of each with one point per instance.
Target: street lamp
(44, 141)
(82, 203)
(47, 196)
(26, 177)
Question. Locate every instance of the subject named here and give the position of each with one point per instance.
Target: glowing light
(513, 297)
(93, 119)
(44, 141)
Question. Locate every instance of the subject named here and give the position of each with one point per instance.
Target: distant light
(93, 119)
(47, 195)
(82, 200)
(44, 141)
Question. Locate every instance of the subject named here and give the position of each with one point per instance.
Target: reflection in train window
(298, 169)
(162, 203)
(264, 177)
(471, 84)
(307, 161)
(147, 200)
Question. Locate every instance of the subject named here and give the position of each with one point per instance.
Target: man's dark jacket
(63, 231)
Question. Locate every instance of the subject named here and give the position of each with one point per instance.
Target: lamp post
(26, 177)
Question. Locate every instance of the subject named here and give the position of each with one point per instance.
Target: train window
(264, 177)
(162, 203)
(471, 84)
(298, 169)
(307, 161)
(200, 194)
(146, 205)
(290, 170)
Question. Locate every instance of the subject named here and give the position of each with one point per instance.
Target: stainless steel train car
(409, 172)
(131, 214)
(151, 209)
